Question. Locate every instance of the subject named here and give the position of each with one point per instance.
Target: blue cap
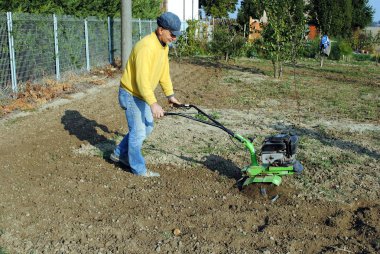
(170, 21)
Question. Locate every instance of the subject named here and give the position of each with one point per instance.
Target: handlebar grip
(187, 106)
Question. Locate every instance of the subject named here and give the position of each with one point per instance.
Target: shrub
(311, 49)
(250, 50)
(344, 48)
(227, 41)
(335, 51)
(362, 57)
(194, 40)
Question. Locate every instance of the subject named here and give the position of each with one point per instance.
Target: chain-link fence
(37, 46)
(5, 70)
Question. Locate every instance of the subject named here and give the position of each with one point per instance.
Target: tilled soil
(61, 194)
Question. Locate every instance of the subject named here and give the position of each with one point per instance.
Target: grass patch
(213, 115)
(337, 90)
(232, 80)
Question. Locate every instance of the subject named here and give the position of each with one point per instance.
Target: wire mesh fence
(33, 39)
(5, 68)
(71, 44)
(34, 46)
(98, 42)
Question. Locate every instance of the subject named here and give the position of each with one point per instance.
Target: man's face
(166, 36)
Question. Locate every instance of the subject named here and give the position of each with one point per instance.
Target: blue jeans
(140, 125)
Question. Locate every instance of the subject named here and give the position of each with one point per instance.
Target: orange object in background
(313, 32)
(254, 29)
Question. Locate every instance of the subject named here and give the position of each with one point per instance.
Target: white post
(57, 69)
(150, 26)
(87, 47)
(140, 28)
(184, 10)
(192, 10)
(12, 53)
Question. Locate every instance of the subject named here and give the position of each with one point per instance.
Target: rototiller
(278, 152)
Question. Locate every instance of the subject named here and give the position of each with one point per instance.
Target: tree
(341, 18)
(227, 40)
(284, 34)
(218, 8)
(145, 9)
(322, 12)
(250, 8)
(362, 14)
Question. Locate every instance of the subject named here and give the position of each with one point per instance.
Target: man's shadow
(86, 130)
(224, 166)
(212, 162)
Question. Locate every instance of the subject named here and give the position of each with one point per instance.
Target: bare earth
(60, 194)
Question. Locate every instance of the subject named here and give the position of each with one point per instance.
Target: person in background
(148, 66)
(324, 46)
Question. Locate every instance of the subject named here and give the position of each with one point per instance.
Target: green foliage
(340, 18)
(363, 57)
(80, 8)
(311, 48)
(250, 8)
(344, 48)
(227, 40)
(250, 50)
(333, 17)
(341, 49)
(214, 115)
(218, 8)
(362, 14)
(335, 52)
(194, 40)
(145, 9)
(365, 40)
(283, 36)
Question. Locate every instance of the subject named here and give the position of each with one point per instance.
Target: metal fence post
(57, 69)
(140, 28)
(150, 26)
(12, 53)
(87, 46)
(110, 42)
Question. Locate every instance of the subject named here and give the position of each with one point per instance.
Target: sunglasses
(171, 34)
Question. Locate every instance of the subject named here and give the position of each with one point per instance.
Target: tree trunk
(274, 69)
(226, 56)
(280, 70)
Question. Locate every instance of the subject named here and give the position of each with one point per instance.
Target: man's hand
(173, 100)
(157, 110)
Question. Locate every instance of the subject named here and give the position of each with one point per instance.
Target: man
(324, 46)
(148, 65)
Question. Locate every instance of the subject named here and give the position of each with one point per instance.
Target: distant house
(185, 9)
(255, 27)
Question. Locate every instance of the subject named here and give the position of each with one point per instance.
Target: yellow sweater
(148, 65)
